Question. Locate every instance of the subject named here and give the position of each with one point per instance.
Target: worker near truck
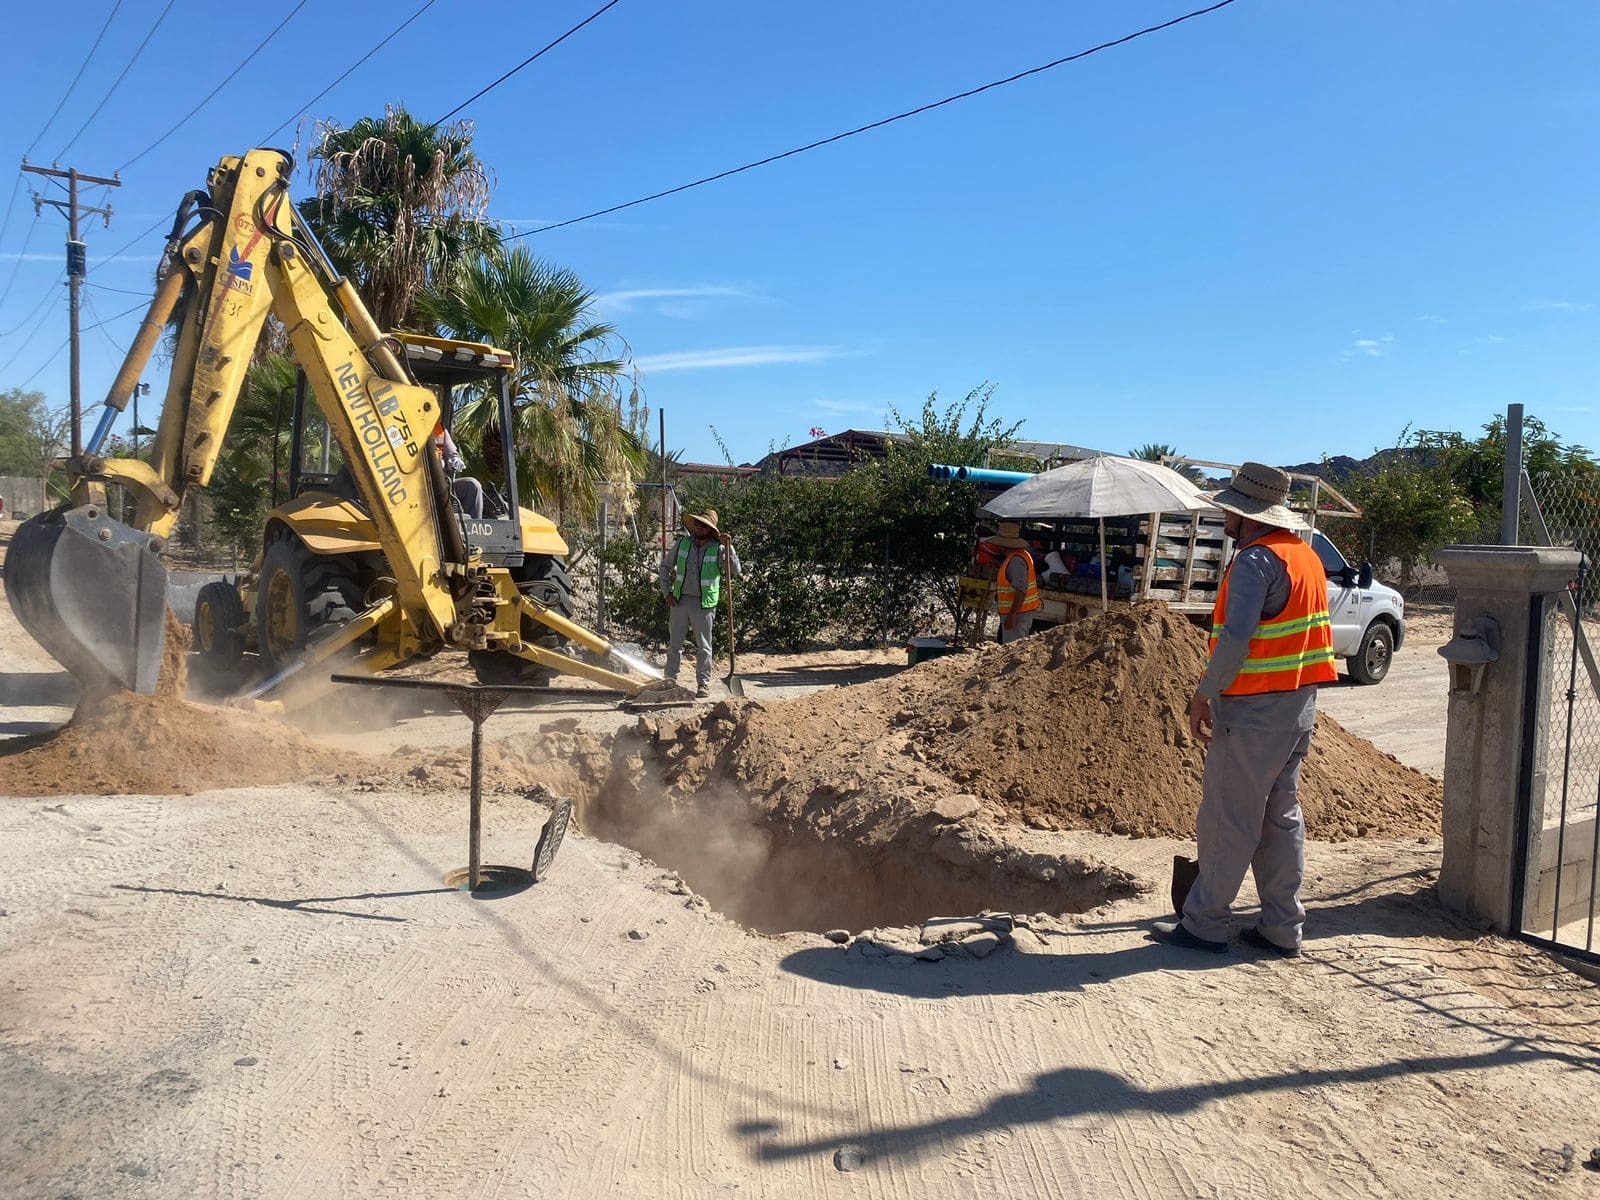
(1016, 588)
(1255, 708)
(691, 580)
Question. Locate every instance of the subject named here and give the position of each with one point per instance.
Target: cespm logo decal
(239, 268)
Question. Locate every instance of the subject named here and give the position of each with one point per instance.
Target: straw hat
(707, 518)
(1261, 493)
(1009, 537)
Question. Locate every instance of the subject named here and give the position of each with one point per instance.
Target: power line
(211, 95)
(536, 55)
(25, 342)
(40, 303)
(125, 312)
(393, 33)
(118, 82)
(135, 239)
(11, 205)
(17, 266)
(849, 133)
(100, 287)
(36, 371)
(100, 325)
(84, 66)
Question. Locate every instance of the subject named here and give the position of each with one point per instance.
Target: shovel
(733, 683)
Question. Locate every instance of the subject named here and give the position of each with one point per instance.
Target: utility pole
(77, 268)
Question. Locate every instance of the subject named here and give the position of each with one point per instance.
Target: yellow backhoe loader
(385, 560)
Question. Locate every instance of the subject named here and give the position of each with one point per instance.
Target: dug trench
(939, 790)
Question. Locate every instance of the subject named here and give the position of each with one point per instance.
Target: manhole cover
(493, 879)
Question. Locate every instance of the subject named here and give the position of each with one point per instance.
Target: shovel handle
(727, 560)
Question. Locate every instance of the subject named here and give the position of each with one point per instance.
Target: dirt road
(267, 992)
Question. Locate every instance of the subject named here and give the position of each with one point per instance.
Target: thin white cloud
(1367, 347)
(1561, 306)
(1434, 319)
(839, 408)
(1490, 338)
(624, 300)
(736, 356)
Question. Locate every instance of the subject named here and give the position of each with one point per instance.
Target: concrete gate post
(1504, 595)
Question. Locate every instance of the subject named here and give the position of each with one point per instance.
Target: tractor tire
(218, 625)
(1371, 663)
(300, 594)
(542, 577)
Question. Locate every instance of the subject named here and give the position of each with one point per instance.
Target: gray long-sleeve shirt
(691, 570)
(1258, 589)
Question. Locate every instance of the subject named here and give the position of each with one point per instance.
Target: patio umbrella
(1100, 487)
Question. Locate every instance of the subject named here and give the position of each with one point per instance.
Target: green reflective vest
(710, 572)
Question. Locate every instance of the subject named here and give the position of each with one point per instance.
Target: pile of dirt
(128, 744)
(1080, 727)
(565, 761)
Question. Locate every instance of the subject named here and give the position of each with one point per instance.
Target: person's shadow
(1080, 1091)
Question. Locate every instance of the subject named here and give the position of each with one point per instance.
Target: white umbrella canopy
(1100, 487)
(1105, 486)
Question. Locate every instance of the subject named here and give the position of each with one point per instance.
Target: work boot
(1175, 933)
(1254, 937)
(702, 691)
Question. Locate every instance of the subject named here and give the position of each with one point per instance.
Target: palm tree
(1156, 451)
(571, 427)
(398, 202)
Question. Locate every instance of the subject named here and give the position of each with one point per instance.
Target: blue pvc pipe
(976, 474)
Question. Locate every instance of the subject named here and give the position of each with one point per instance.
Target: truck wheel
(542, 577)
(298, 594)
(1371, 662)
(218, 624)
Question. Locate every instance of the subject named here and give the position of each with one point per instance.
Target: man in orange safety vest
(1016, 590)
(1255, 708)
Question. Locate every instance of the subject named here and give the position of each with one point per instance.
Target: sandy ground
(268, 992)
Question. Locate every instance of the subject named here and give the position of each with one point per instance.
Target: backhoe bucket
(93, 593)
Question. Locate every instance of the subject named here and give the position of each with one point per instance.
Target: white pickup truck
(1369, 622)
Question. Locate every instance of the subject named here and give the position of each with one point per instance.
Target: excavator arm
(92, 591)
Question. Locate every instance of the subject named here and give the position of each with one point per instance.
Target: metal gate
(1559, 875)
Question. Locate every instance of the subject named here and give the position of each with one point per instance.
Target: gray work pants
(1250, 818)
(686, 615)
(1022, 629)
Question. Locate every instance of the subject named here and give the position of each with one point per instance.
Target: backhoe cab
(383, 557)
(322, 563)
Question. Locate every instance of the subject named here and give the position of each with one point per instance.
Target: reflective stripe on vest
(710, 572)
(1295, 647)
(1006, 595)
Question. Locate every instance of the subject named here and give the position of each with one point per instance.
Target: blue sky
(1278, 231)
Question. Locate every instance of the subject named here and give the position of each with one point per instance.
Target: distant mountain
(1340, 467)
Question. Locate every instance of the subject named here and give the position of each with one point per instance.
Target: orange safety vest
(1295, 647)
(1006, 595)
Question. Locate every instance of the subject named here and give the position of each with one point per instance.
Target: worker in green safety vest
(691, 580)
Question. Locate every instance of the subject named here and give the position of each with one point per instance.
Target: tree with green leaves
(32, 434)
(399, 202)
(869, 555)
(1477, 465)
(1407, 512)
(573, 427)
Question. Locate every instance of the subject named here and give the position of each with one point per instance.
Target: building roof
(836, 451)
(1055, 453)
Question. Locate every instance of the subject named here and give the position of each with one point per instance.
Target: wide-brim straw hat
(1261, 493)
(1009, 537)
(707, 518)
